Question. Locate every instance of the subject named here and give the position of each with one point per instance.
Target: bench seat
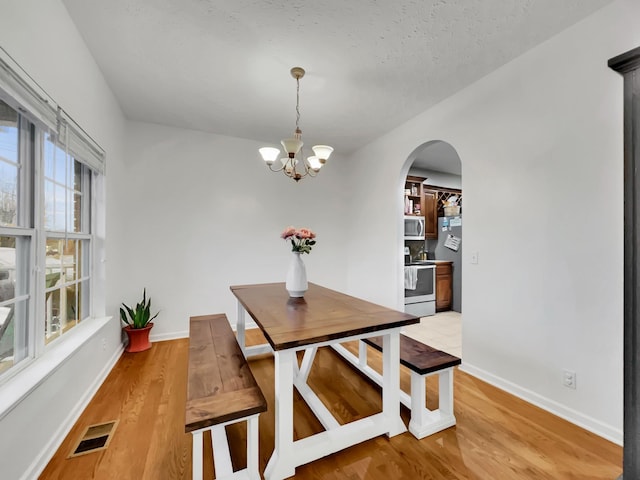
(418, 356)
(220, 390)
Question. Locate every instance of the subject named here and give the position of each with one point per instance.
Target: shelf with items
(413, 196)
(443, 195)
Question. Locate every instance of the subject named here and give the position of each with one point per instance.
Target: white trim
(161, 337)
(22, 93)
(584, 421)
(45, 455)
(17, 387)
(247, 326)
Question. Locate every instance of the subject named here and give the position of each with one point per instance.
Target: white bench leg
(445, 402)
(198, 446)
(252, 447)
(418, 402)
(222, 455)
(427, 422)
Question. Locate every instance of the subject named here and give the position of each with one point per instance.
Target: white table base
(289, 454)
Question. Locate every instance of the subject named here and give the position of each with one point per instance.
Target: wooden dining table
(323, 317)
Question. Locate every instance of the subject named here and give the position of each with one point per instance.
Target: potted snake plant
(138, 324)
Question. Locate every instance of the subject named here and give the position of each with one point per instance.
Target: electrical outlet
(104, 344)
(569, 379)
(474, 258)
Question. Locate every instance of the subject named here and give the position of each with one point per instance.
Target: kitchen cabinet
(413, 196)
(430, 201)
(444, 286)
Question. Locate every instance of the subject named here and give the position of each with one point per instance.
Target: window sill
(16, 388)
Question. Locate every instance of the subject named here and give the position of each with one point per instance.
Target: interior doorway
(432, 190)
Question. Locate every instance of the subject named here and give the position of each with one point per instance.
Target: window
(45, 239)
(48, 169)
(16, 239)
(67, 197)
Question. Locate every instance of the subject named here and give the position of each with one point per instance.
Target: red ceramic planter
(138, 338)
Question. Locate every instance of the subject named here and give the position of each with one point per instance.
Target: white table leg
(282, 464)
(362, 354)
(240, 327)
(391, 383)
(307, 363)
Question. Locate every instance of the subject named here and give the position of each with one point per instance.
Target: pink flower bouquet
(302, 239)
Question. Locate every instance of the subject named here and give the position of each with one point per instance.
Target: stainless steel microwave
(413, 228)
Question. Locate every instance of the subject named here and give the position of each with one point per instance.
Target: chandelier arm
(307, 170)
(275, 169)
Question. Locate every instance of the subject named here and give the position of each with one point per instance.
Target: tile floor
(442, 331)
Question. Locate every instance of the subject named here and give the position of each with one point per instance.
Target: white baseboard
(161, 337)
(41, 461)
(588, 423)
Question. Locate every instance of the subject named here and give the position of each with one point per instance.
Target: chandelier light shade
(293, 164)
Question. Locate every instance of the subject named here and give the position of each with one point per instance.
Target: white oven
(421, 300)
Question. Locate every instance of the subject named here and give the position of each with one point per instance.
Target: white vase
(296, 276)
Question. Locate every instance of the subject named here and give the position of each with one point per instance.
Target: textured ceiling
(223, 65)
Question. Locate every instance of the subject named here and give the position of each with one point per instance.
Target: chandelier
(294, 165)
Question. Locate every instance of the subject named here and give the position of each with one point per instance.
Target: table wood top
(321, 315)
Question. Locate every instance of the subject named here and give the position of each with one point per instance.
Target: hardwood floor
(497, 436)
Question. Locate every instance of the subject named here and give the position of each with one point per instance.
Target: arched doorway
(432, 190)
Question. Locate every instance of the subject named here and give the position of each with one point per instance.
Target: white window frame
(30, 225)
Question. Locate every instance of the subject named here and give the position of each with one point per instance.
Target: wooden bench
(221, 390)
(423, 361)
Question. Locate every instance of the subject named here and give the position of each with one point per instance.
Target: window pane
(69, 260)
(71, 306)
(8, 165)
(80, 267)
(13, 334)
(55, 203)
(48, 205)
(62, 261)
(83, 300)
(77, 176)
(75, 222)
(53, 252)
(55, 162)
(7, 268)
(53, 327)
(6, 337)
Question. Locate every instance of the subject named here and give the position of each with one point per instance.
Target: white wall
(41, 37)
(541, 147)
(203, 212)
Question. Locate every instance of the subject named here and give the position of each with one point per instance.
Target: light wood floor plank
(497, 437)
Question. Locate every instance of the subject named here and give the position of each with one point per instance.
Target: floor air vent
(95, 438)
